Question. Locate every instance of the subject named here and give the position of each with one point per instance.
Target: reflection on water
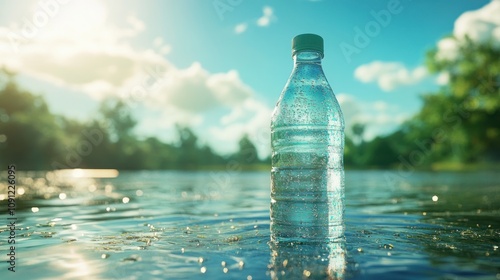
(215, 225)
(320, 261)
(64, 261)
(84, 173)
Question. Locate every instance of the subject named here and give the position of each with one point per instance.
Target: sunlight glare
(81, 16)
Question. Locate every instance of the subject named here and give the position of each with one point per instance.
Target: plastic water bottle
(307, 139)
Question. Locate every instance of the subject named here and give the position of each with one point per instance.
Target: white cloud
(251, 117)
(380, 105)
(447, 49)
(389, 75)
(263, 21)
(443, 78)
(158, 42)
(479, 25)
(90, 55)
(82, 52)
(267, 16)
(240, 28)
(185, 89)
(161, 47)
(135, 23)
(196, 90)
(378, 116)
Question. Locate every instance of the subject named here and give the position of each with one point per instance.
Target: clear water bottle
(307, 139)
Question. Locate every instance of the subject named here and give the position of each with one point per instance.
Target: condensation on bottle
(307, 140)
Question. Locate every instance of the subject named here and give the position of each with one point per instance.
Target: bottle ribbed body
(307, 176)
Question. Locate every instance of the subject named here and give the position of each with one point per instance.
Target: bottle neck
(307, 65)
(309, 57)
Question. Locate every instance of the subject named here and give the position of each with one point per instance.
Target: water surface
(215, 225)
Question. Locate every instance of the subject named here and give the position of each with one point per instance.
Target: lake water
(215, 225)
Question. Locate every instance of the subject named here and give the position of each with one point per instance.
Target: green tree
(33, 138)
(188, 156)
(356, 145)
(358, 129)
(115, 115)
(460, 122)
(350, 155)
(247, 152)
(117, 123)
(159, 155)
(209, 157)
(29, 134)
(381, 152)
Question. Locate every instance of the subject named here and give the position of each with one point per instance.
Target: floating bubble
(62, 196)
(108, 188)
(35, 209)
(435, 198)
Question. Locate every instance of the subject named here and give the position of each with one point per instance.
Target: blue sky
(219, 65)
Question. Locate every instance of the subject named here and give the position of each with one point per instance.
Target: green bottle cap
(307, 42)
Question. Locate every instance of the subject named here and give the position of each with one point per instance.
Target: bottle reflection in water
(307, 261)
(307, 139)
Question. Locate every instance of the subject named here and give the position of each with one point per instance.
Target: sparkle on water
(215, 225)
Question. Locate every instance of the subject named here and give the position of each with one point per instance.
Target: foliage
(35, 139)
(247, 153)
(27, 128)
(458, 124)
(461, 120)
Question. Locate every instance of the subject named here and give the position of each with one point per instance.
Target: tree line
(458, 126)
(35, 139)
